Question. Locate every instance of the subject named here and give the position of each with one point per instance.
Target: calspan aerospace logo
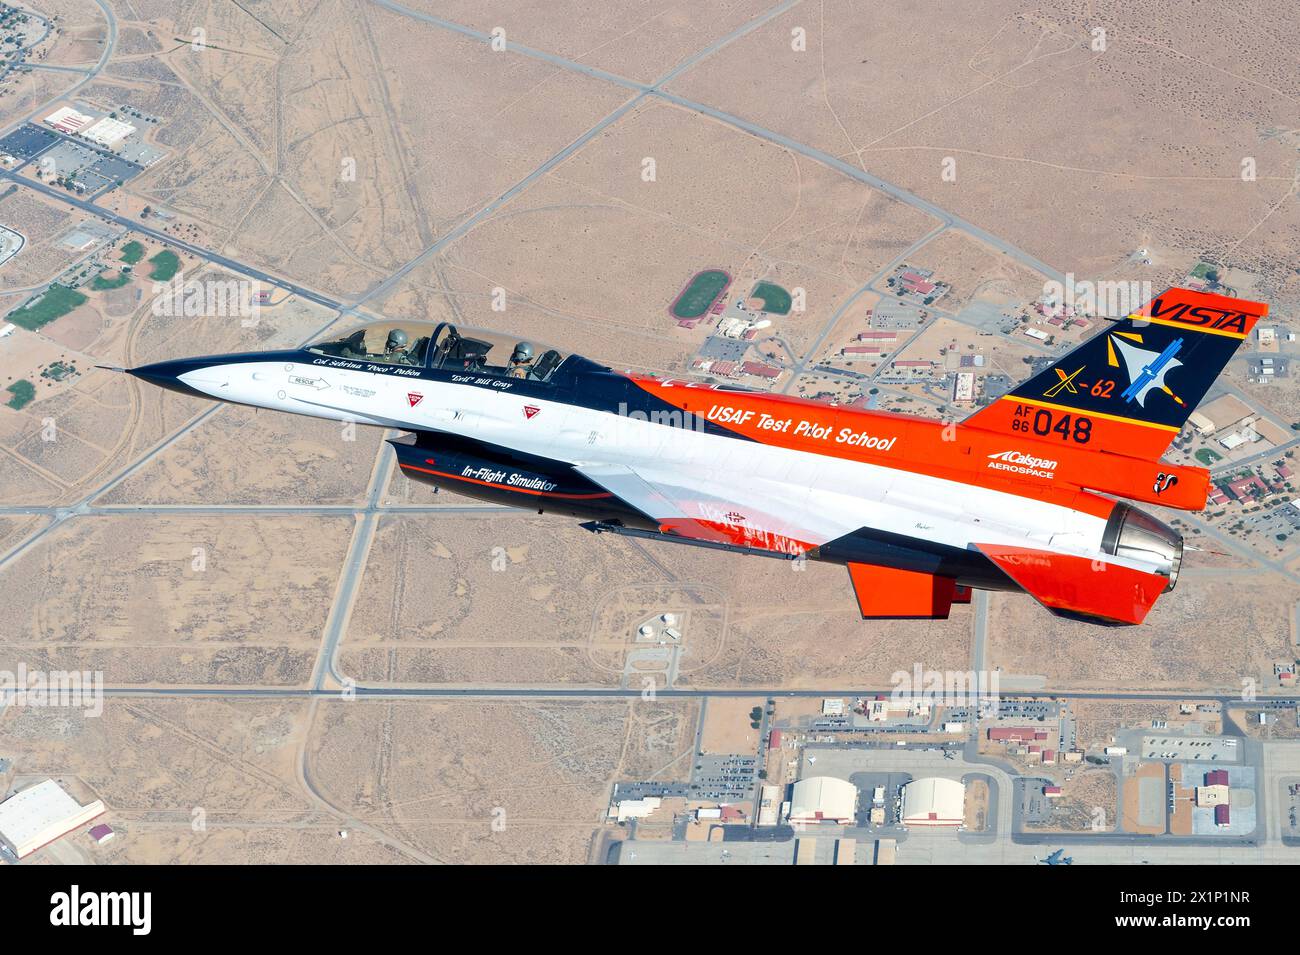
(1019, 463)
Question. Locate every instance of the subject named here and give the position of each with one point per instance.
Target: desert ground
(308, 657)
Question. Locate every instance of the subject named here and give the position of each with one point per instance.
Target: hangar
(934, 802)
(40, 814)
(823, 799)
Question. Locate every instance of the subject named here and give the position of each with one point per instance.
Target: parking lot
(1212, 748)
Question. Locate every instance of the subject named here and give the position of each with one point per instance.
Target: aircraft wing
(696, 506)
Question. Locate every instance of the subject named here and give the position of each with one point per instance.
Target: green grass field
(1207, 457)
(165, 265)
(57, 301)
(132, 253)
(700, 294)
(776, 300)
(101, 284)
(23, 392)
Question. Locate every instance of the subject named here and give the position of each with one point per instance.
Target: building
(1216, 777)
(769, 806)
(1052, 792)
(881, 710)
(760, 370)
(1222, 815)
(67, 120)
(832, 707)
(102, 834)
(934, 802)
(627, 809)
(963, 388)
(823, 799)
(109, 132)
(1201, 424)
(40, 814)
(1246, 488)
(1021, 733)
(1211, 796)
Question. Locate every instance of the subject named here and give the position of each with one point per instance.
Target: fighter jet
(1030, 493)
(1058, 858)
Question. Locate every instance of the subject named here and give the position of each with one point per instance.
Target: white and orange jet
(1019, 496)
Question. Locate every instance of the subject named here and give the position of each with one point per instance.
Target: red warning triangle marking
(530, 410)
(414, 398)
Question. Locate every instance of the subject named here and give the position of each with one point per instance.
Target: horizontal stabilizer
(1076, 585)
(889, 593)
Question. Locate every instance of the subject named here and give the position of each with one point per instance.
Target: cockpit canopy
(443, 346)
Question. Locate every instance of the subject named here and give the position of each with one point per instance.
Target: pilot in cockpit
(521, 361)
(395, 348)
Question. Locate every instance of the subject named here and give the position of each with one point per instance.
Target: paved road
(110, 44)
(633, 693)
(234, 265)
(353, 567)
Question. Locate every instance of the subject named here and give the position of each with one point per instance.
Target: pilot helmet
(396, 340)
(523, 354)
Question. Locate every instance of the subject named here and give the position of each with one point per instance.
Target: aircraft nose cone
(167, 374)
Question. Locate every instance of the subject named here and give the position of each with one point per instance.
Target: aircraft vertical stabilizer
(1129, 389)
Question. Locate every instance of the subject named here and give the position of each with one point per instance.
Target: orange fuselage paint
(1060, 473)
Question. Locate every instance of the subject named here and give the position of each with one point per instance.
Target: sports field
(101, 284)
(700, 293)
(57, 301)
(776, 300)
(21, 392)
(165, 265)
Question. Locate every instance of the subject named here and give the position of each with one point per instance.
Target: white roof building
(109, 132)
(934, 802)
(823, 799)
(67, 120)
(635, 808)
(40, 814)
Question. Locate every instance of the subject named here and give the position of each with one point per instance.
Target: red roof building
(1221, 815)
(760, 370)
(1243, 489)
(1216, 777)
(1005, 733)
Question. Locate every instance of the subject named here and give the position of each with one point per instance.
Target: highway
(216, 258)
